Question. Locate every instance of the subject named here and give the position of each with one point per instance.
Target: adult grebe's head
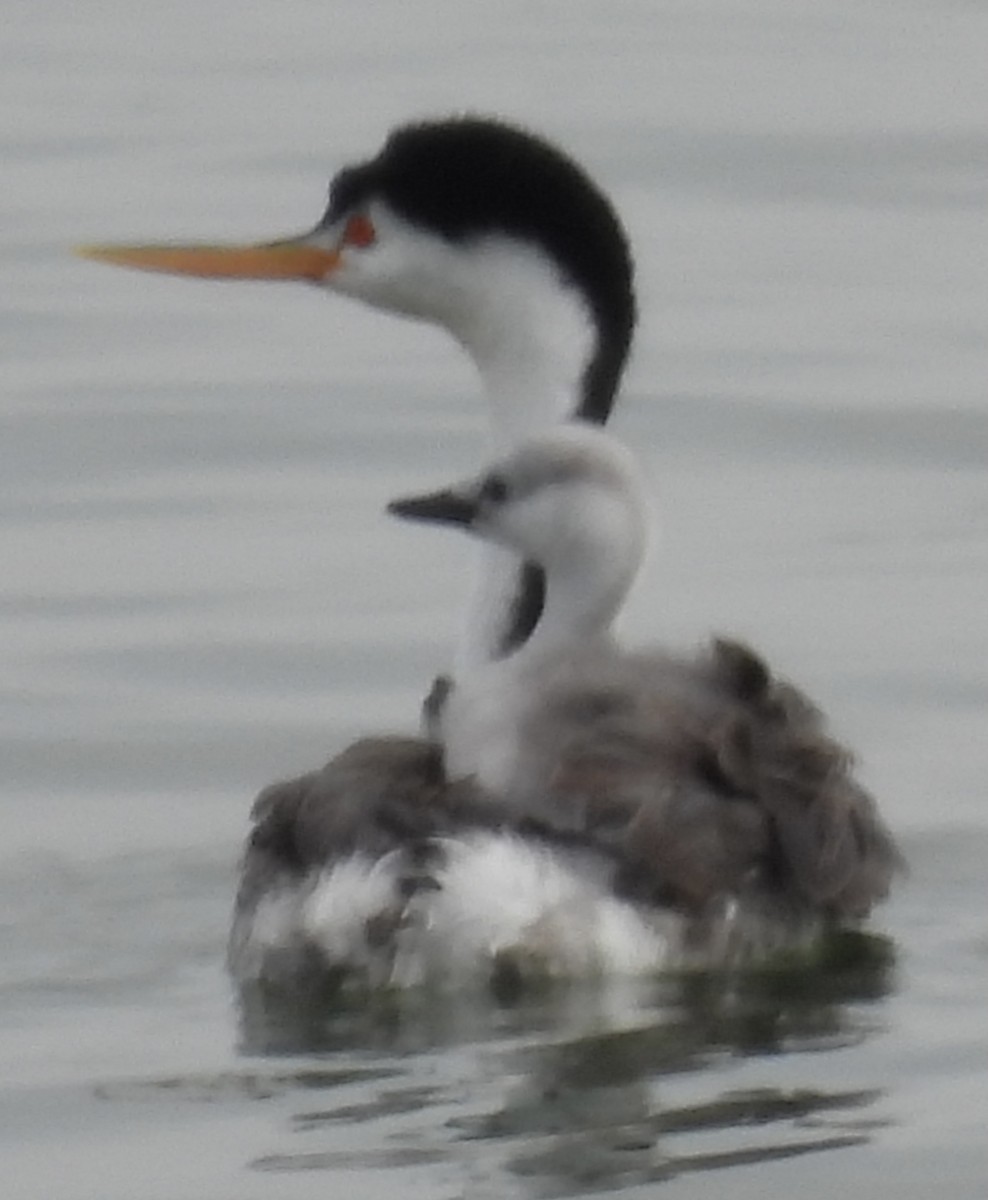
(482, 228)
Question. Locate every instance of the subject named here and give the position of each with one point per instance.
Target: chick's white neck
(588, 575)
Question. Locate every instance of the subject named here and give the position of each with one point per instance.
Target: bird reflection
(581, 1102)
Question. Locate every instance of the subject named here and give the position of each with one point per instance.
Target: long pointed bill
(293, 258)
(442, 508)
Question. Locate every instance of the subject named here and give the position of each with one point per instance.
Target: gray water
(199, 592)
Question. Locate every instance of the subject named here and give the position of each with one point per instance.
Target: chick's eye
(359, 231)
(494, 489)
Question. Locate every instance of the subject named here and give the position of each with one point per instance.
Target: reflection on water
(793, 1000)
(589, 1113)
(570, 1091)
(251, 1085)
(193, 556)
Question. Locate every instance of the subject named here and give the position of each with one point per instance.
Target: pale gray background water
(199, 592)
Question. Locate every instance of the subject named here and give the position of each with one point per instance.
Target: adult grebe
(501, 239)
(496, 236)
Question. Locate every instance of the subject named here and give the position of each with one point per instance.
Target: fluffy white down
(500, 902)
(344, 898)
(325, 915)
(555, 913)
(499, 899)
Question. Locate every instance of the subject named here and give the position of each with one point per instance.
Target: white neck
(581, 603)
(579, 608)
(588, 575)
(586, 584)
(530, 336)
(529, 332)
(531, 339)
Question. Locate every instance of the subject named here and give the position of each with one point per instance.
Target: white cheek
(406, 270)
(390, 278)
(529, 528)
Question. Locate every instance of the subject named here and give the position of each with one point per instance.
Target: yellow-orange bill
(274, 260)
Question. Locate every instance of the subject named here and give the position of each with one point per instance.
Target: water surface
(200, 592)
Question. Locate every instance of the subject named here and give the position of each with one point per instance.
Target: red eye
(359, 231)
